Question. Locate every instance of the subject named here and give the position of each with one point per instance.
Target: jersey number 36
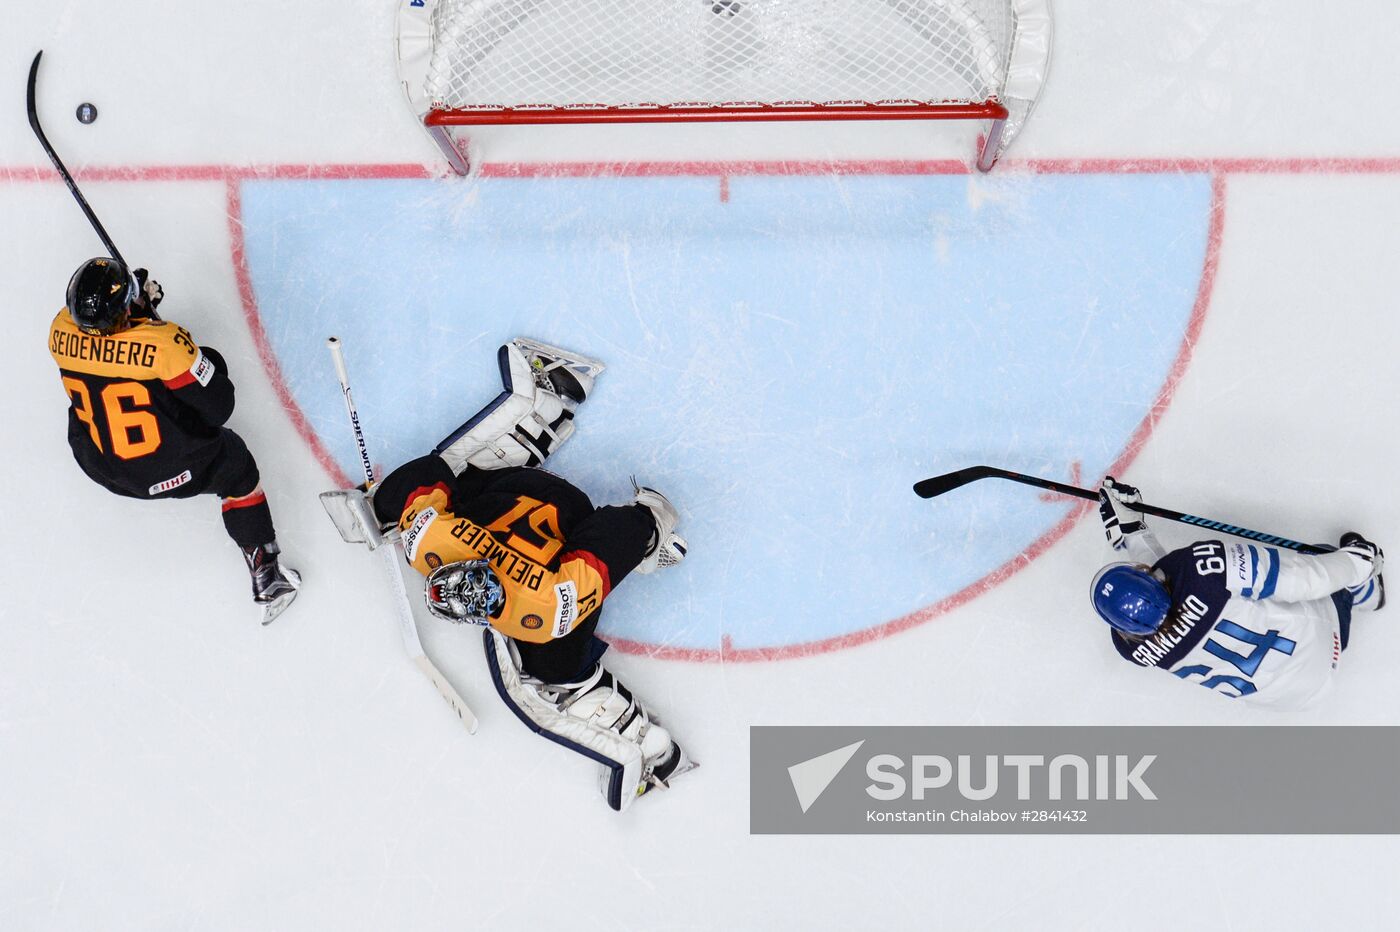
(132, 428)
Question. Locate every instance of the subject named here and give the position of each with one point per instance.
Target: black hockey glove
(149, 293)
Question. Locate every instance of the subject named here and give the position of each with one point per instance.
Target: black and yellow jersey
(556, 556)
(145, 404)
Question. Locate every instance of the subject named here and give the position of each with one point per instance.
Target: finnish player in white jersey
(1242, 618)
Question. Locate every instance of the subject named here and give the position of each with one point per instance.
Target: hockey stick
(939, 485)
(67, 177)
(393, 558)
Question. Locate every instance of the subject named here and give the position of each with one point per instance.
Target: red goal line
(1321, 165)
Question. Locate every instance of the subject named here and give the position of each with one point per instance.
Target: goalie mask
(466, 592)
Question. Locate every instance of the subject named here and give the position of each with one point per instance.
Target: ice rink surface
(1183, 272)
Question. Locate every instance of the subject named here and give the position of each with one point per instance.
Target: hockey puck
(86, 113)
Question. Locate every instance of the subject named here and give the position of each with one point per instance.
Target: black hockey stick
(58, 164)
(67, 177)
(938, 485)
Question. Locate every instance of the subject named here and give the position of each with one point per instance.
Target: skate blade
(592, 367)
(685, 766)
(280, 604)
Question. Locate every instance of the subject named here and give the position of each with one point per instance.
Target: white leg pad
(622, 758)
(532, 417)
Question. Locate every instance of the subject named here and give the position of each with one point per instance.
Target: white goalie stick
(393, 560)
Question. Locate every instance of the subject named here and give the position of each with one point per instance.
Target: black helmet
(99, 295)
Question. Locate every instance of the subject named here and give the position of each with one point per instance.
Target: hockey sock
(566, 660)
(248, 520)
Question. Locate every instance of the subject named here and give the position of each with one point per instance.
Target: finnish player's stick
(938, 485)
(66, 176)
(393, 557)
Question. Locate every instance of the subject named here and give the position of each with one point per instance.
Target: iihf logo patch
(174, 482)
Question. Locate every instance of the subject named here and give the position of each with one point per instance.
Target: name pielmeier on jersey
(1246, 620)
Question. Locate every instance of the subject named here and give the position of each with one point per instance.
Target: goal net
(476, 62)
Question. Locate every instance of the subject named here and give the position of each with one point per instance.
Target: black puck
(86, 113)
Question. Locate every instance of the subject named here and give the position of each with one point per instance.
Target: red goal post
(494, 62)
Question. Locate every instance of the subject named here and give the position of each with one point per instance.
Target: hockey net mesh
(642, 54)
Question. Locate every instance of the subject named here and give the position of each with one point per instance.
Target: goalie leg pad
(598, 718)
(533, 415)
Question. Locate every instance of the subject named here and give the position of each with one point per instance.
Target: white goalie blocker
(542, 388)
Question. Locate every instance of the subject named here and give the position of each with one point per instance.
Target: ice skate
(274, 586)
(667, 548)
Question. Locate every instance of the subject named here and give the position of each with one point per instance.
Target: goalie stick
(939, 485)
(63, 172)
(394, 560)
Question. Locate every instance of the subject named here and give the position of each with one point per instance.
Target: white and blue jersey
(1247, 620)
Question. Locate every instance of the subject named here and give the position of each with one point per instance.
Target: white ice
(166, 763)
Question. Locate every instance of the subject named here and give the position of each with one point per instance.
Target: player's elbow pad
(212, 403)
(217, 401)
(217, 358)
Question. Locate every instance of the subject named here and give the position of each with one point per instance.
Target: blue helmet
(1130, 598)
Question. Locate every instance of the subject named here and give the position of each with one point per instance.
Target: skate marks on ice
(783, 364)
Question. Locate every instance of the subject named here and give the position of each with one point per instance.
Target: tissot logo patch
(414, 535)
(565, 607)
(202, 370)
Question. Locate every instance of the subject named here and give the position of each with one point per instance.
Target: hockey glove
(1361, 548)
(1122, 492)
(1115, 510)
(151, 294)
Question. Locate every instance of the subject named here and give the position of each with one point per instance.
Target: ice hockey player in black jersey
(1242, 618)
(146, 412)
(510, 546)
